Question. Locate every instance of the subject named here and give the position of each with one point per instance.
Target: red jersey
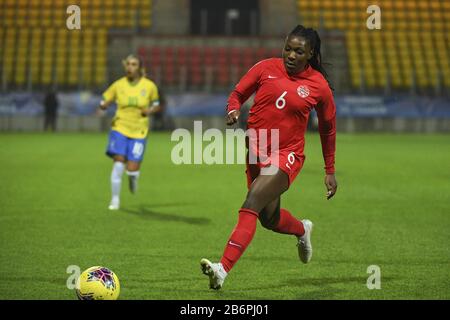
(284, 102)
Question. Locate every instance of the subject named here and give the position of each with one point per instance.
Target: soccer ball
(98, 283)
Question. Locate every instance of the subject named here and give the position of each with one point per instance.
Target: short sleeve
(110, 93)
(154, 95)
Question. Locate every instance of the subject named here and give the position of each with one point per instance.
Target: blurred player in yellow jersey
(136, 98)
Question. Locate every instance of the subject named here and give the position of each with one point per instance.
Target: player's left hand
(150, 110)
(232, 117)
(331, 184)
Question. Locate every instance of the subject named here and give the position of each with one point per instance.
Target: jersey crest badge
(303, 91)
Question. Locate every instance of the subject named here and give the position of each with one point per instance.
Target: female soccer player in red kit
(287, 89)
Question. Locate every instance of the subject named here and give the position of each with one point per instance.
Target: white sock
(133, 174)
(116, 180)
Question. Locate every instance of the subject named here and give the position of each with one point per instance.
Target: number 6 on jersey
(281, 102)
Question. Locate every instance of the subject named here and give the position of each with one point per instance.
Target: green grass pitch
(392, 209)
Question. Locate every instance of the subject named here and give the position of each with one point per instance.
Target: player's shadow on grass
(328, 281)
(326, 289)
(147, 213)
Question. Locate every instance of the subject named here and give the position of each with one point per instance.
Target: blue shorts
(131, 149)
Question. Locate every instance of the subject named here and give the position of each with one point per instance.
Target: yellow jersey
(131, 99)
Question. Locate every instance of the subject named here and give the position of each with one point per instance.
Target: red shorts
(286, 160)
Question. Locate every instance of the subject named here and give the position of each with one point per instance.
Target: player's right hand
(233, 117)
(100, 112)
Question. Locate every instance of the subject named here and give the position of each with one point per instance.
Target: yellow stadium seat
(60, 16)
(21, 18)
(145, 17)
(122, 20)
(340, 5)
(379, 58)
(47, 56)
(33, 17)
(74, 57)
(397, 81)
(436, 15)
(407, 78)
(447, 78)
(123, 3)
(9, 16)
(314, 5)
(413, 15)
(100, 75)
(410, 5)
(93, 17)
(424, 16)
(443, 59)
(63, 4)
(421, 79)
(2, 32)
(10, 41)
(100, 56)
(35, 58)
(433, 77)
(352, 15)
(414, 25)
(385, 5)
(353, 5)
(133, 3)
(302, 6)
(108, 17)
(88, 37)
(356, 80)
(370, 81)
(341, 24)
(21, 56)
(381, 79)
(400, 13)
(110, 4)
(327, 4)
(399, 5)
(61, 53)
(440, 25)
(435, 5)
(356, 24)
(47, 3)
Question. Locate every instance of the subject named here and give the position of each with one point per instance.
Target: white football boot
(114, 204)
(304, 242)
(215, 272)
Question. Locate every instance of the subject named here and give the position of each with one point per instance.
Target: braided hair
(313, 38)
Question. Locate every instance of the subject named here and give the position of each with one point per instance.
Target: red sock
(240, 238)
(288, 224)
